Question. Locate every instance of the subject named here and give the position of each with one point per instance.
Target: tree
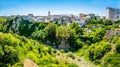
(51, 32)
(101, 21)
(98, 35)
(41, 25)
(117, 21)
(96, 51)
(112, 59)
(78, 30)
(93, 20)
(3, 24)
(1, 52)
(108, 22)
(26, 28)
(40, 35)
(118, 46)
(10, 55)
(9, 22)
(63, 34)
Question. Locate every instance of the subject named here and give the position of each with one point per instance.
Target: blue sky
(41, 7)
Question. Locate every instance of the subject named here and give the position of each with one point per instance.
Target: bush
(70, 54)
(54, 51)
(8, 55)
(32, 56)
(15, 49)
(79, 59)
(117, 46)
(97, 62)
(81, 51)
(112, 59)
(58, 53)
(73, 65)
(98, 50)
(18, 64)
(75, 43)
(62, 51)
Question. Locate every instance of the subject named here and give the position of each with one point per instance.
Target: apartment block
(113, 13)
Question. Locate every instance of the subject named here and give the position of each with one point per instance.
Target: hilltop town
(86, 40)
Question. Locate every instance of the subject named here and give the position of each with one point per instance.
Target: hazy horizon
(41, 7)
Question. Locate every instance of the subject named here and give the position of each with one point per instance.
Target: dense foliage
(15, 49)
(98, 41)
(98, 50)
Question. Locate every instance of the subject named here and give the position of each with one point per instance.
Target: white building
(40, 19)
(112, 13)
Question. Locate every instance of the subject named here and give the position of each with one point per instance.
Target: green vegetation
(71, 55)
(96, 51)
(15, 49)
(112, 60)
(72, 65)
(49, 44)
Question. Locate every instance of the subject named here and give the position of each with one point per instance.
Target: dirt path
(29, 63)
(113, 47)
(79, 61)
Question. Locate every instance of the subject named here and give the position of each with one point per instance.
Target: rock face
(15, 24)
(63, 45)
(29, 63)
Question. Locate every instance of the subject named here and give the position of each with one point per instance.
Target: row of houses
(81, 19)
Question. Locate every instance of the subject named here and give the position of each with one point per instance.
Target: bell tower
(49, 13)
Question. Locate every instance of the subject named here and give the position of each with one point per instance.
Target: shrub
(62, 51)
(117, 46)
(15, 49)
(32, 56)
(70, 54)
(49, 50)
(112, 59)
(73, 65)
(98, 50)
(54, 51)
(75, 43)
(81, 51)
(79, 59)
(58, 53)
(97, 61)
(56, 61)
(18, 64)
